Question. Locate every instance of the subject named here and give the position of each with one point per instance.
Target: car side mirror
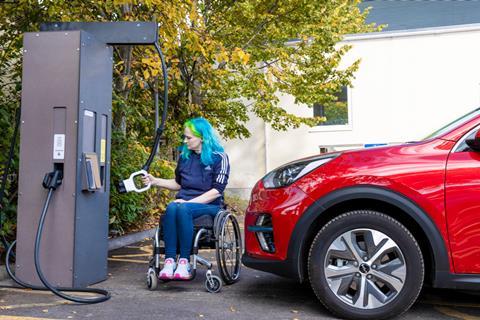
(474, 142)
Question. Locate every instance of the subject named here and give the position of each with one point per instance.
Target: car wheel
(365, 265)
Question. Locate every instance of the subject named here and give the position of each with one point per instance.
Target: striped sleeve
(221, 171)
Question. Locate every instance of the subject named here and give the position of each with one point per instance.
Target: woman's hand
(149, 179)
(179, 201)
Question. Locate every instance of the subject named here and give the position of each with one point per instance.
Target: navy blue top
(195, 178)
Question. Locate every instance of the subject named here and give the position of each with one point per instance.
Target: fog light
(263, 229)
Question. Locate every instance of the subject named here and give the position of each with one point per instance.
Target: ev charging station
(66, 130)
(65, 124)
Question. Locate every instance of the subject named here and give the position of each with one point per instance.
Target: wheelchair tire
(152, 280)
(214, 284)
(229, 249)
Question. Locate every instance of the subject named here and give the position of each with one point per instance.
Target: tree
(226, 60)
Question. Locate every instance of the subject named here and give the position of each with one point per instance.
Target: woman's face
(193, 143)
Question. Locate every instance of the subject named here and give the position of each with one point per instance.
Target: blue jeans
(178, 226)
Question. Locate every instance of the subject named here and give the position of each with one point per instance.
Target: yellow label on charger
(103, 149)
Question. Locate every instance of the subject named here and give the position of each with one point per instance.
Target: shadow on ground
(257, 295)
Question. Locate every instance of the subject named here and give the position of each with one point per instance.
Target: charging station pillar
(65, 124)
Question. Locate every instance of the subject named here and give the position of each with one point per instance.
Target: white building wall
(247, 159)
(408, 85)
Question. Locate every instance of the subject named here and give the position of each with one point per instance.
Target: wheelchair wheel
(213, 284)
(229, 249)
(152, 280)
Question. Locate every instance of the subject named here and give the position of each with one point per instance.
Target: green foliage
(129, 210)
(336, 114)
(219, 54)
(9, 102)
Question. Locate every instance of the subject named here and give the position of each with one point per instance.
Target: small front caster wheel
(213, 284)
(152, 280)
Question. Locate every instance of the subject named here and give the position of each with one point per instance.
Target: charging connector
(129, 185)
(53, 180)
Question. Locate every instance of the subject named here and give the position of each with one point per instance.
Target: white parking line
(128, 260)
(23, 318)
(34, 305)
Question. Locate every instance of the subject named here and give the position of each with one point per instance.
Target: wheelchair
(221, 233)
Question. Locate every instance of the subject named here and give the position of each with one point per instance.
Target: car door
(462, 201)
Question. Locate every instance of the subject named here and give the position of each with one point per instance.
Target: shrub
(128, 211)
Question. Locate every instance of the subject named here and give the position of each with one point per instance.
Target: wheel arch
(374, 198)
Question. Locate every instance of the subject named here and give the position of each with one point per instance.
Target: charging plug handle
(53, 180)
(128, 185)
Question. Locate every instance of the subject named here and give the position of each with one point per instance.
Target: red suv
(367, 228)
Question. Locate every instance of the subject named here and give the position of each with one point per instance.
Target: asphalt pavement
(257, 295)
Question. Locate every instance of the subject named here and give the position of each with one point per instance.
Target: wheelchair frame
(216, 233)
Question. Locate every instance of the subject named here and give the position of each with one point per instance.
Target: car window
(453, 124)
(463, 146)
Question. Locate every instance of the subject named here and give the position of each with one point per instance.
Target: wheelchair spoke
(228, 245)
(228, 249)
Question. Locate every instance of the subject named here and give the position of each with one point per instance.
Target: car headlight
(291, 172)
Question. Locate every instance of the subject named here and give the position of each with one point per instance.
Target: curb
(113, 244)
(129, 239)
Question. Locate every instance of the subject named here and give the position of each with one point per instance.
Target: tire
(214, 284)
(229, 249)
(365, 254)
(152, 280)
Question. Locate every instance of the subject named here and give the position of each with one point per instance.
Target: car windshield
(454, 124)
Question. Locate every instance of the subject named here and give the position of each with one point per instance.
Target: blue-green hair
(201, 128)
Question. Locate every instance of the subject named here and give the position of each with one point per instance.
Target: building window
(336, 114)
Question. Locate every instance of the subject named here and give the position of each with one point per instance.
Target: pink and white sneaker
(167, 272)
(183, 270)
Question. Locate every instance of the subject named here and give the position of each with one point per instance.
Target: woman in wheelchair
(201, 176)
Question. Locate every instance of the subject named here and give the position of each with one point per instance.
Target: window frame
(461, 145)
(338, 127)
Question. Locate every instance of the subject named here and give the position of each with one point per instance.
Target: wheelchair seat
(205, 221)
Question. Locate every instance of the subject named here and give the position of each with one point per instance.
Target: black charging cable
(161, 127)
(51, 182)
(127, 185)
